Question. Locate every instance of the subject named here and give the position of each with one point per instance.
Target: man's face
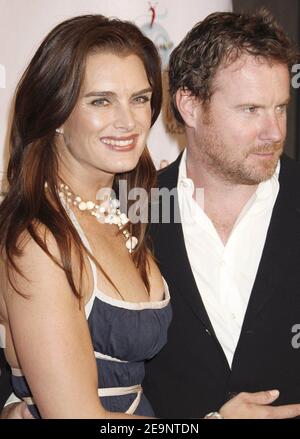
(240, 135)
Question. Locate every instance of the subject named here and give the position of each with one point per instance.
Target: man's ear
(188, 106)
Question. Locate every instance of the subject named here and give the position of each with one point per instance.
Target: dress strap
(120, 391)
(113, 391)
(86, 243)
(2, 336)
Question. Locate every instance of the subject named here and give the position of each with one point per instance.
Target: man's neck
(223, 200)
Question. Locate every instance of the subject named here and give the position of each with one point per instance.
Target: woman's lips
(120, 143)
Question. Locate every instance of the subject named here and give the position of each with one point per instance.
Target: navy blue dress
(124, 335)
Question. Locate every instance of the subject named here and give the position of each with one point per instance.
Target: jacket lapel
(172, 254)
(282, 242)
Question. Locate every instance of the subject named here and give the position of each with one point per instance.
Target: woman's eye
(100, 102)
(141, 99)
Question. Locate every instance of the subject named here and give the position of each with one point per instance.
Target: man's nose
(274, 128)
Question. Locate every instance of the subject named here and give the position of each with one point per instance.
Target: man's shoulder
(168, 176)
(289, 171)
(289, 163)
(289, 180)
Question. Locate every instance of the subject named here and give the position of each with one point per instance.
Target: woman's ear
(187, 105)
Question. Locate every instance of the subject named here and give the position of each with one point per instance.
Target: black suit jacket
(5, 385)
(190, 376)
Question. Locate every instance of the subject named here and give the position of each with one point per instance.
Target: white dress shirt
(225, 274)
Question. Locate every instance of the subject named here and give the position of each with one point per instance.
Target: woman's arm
(52, 339)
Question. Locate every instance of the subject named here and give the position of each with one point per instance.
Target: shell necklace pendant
(108, 212)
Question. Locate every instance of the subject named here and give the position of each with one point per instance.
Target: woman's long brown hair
(45, 98)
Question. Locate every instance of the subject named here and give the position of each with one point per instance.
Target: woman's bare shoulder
(36, 259)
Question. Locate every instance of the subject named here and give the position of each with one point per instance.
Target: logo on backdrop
(160, 37)
(2, 76)
(158, 34)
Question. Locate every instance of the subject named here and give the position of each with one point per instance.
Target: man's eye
(250, 109)
(281, 108)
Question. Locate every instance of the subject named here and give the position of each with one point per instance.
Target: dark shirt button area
(249, 331)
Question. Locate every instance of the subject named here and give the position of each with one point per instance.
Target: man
(232, 264)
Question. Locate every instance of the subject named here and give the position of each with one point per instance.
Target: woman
(82, 302)
(82, 115)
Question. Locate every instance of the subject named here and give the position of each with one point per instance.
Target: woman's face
(107, 130)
